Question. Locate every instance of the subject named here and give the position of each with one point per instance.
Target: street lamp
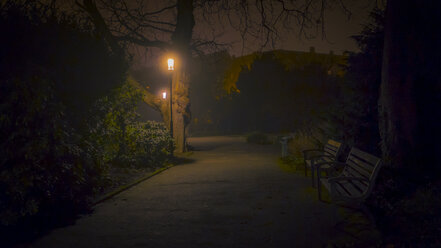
(164, 94)
(171, 64)
(171, 68)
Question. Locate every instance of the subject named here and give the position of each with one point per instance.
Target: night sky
(339, 29)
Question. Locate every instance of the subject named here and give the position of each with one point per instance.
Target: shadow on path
(181, 160)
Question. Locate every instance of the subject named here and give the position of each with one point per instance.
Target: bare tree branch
(264, 22)
(161, 10)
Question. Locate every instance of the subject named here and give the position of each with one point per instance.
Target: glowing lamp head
(171, 64)
(164, 95)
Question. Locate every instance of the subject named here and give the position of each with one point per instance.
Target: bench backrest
(362, 164)
(332, 148)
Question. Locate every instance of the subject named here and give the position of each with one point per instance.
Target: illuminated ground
(233, 195)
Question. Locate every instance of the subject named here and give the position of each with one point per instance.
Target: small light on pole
(171, 68)
(164, 95)
(171, 64)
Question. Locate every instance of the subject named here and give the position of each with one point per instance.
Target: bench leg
(319, 184)
(319, 190)
(306, 168)
(319, 187)
(312, 175)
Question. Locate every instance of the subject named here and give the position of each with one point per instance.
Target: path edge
(128, 186)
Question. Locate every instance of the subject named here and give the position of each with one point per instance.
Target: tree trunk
(181, 104)
(181, 39)
(410, 97)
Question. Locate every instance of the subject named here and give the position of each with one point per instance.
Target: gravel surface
(233, 195)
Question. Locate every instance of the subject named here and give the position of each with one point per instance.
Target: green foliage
(236, 66)
(59, 48)
(354, 119)
(114, 115)
(45, 166)
(291, 60)
(124, 141)
(407, 211)
(52, 70)
(276, 91)
(302, 141)
(417, 218)
(272, 99)
(259, 138)
(292, 164)
(152, 143)
(65, 116)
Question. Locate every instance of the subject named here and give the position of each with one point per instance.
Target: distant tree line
(271, 96)
(326, 95)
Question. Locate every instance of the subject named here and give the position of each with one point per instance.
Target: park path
(232, 195)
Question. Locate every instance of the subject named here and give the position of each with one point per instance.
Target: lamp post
(171, 68)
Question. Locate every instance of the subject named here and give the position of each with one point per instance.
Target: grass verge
(291, 164)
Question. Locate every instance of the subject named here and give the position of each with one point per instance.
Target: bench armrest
(321, 156)
(330, 163)
(313, 150)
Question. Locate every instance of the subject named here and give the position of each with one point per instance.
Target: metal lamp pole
(171, 106)
(171, 64)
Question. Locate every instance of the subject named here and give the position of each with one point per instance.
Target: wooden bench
(356, 180)
(329, 153)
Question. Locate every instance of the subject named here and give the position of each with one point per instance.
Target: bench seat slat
(365, 156)
(347, 189)
(357, 170)
(334, 143)
(320, 160)
(363, 167)
(331, 150)
(348, 173)
(367, 165)
(354, 172)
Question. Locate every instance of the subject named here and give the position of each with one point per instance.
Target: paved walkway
(233, 195)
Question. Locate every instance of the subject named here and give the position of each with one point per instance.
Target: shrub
(44, 167)
(151, 144)
(301, 141)
(113, 117)
(122, 139)
(52, 70)
(407, 212)
(292, 164)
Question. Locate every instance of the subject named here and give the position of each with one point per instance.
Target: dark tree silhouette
(411, 88)
(53, 69)
(356, 119)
